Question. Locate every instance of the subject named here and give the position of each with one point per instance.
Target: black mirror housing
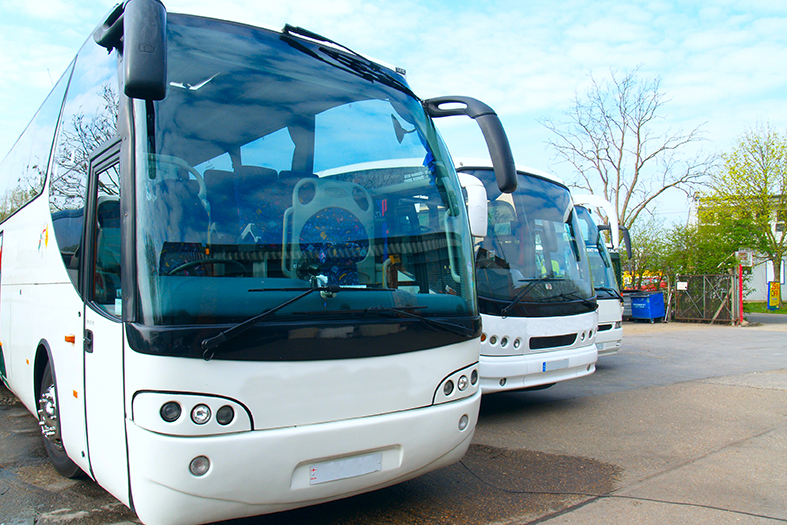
(145, 49)
(494, 134)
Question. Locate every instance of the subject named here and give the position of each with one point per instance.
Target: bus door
(103, 330)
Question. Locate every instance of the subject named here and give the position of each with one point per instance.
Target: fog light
(618, 324)
(225, 415)
(463, 422)
(199, 466)
(448, 387)
(463, 383)
(502, 382)
(200, 414)
(170, 411)
(474, 377)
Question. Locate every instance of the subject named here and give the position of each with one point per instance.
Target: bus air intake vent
(537, 343)
(604, 327)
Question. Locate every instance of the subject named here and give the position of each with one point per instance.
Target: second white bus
(535, 290)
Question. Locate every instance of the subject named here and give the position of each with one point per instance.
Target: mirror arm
(492, 129)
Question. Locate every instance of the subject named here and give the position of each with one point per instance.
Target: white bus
(199, 292)
(535, 290)
(610, 302)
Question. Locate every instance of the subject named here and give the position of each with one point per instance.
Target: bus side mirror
(145, 49)
(626, 240)
(476, 204)
(491, 127)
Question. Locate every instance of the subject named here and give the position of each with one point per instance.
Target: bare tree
(79, 137)
(609, 137)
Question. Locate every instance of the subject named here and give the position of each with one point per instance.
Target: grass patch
(762, 308)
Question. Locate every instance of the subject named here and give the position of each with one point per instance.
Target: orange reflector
(27, 361)
(76, 395)
(71, 339)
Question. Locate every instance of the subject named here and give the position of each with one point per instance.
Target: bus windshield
(532, 262)
(276, 164)
(604, 281)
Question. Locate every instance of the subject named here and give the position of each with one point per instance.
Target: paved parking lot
(688, 424)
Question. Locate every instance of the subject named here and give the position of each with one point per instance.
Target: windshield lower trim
(293, 341)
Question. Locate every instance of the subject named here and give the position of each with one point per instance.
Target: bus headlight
(463, 383)
(225, 415)
(200, 414)
(448, 387)
(170, 411)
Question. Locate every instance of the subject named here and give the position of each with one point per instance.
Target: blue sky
(721, 62)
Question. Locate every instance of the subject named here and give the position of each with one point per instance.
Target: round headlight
(199, 466)
(463, 422)
(463, 383)
(224, 415)
(170, 411)
(474, 377)
(200, 414)
(448, 387)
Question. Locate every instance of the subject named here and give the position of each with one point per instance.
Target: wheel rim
(47, 417)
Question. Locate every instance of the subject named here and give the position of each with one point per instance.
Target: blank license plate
(554, 365)
(345, 468)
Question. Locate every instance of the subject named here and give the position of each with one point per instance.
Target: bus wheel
(49, 421)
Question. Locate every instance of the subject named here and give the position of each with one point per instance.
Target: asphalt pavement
(687, 424)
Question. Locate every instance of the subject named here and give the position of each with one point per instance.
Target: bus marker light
(200, 414)
(225, 415)
(463, 383)
(448, 387)
(71, 338)
(463, 422)
(76, 394)
(199, 466)
(170, 411)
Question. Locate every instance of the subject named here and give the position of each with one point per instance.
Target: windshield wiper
(569, 295)
(433, 323)
(209, 344)
(357, 64)
(518, 297)
(613, 291)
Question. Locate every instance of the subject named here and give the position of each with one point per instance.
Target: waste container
(647, 305)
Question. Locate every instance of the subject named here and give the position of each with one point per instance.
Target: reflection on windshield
(532, 252)
(266, 170)
(604, 280)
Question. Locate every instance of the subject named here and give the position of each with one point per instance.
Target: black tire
(49, 416)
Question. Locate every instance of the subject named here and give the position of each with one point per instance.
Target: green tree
(648, 250)
(748, 197)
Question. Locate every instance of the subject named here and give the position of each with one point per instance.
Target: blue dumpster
(647, 305)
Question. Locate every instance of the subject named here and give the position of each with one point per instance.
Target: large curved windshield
(604, 281)
(276, 165)
(532, 261)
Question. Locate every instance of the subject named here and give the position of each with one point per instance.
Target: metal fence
(709, 298)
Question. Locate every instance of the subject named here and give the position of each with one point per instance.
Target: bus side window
(106, 282)
(88, 119)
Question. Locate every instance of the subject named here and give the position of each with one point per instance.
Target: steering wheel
(180, 163)
(190, 264)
